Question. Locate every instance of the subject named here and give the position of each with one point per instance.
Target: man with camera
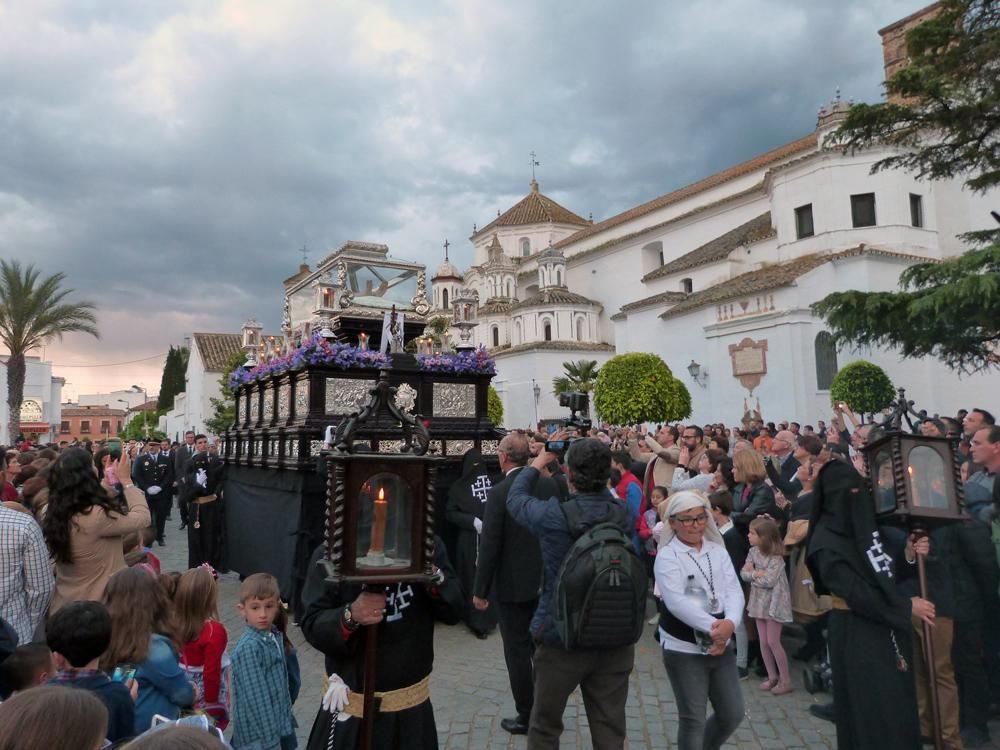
(509, 554)
(602, 671)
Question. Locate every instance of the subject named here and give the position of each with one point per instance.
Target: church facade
(717, 278)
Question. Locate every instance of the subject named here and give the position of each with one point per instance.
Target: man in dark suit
(512, 556)
(183, 454)
(151, 474)
(170, 483)
(782, 465)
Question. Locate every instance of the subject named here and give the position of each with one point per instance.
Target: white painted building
(210, 352)
(721, 274)
(41, 408)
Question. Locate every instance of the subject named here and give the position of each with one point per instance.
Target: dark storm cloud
(176, 155)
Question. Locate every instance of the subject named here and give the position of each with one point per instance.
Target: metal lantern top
(465, 307)
(914, 478)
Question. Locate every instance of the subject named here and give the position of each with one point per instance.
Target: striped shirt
(26, 580)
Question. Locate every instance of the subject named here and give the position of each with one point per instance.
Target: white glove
(335, 698)
(478, 524)
(201, 477)
(657, 530)
(153, 490)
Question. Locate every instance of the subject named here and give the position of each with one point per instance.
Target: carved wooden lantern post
(915, 481)
(380, 511)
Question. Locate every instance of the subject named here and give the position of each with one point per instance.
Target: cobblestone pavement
(470, 692)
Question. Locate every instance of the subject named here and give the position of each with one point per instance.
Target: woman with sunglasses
(702, 606)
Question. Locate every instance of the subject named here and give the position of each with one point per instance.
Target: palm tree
(578, 376)
(32, 311)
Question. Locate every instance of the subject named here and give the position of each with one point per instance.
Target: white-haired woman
(703, 605)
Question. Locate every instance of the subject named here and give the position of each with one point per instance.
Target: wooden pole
(368, 710)
(936, 731)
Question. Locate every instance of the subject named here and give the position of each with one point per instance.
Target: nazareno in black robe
(875, 702)
(405, 653)
(467, 501)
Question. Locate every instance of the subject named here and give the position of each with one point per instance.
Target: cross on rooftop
(534, 163)
(446, 246)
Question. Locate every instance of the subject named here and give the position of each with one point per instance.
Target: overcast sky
(172, 157)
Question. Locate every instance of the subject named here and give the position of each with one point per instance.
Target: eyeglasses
(690, 521)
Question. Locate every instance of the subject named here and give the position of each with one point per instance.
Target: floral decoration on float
(476, 362)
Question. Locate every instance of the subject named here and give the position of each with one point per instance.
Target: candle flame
(381, 494)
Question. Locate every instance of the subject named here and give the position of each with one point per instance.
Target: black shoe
(822, 711)
(481, 634)
(182, 526)
(161, 542)
(744, 673)
(517, 725)
(760, 670)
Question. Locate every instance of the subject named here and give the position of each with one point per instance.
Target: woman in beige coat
(85, 523)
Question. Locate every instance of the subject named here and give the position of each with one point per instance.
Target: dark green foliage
(224, 409)
(172, 381)
(862, 386)
(579, 376)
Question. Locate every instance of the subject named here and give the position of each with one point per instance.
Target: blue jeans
(696, 681)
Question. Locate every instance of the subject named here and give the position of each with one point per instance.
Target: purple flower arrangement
(316, 351)
(477, 362)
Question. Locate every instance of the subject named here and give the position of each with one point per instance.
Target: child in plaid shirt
(262, 708)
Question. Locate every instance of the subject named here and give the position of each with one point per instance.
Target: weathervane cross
(305, 254)
(446, 246)
(534, 163)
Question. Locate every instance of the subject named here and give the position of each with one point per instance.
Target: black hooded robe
(875, 703)
(405, 653)
(467, 501)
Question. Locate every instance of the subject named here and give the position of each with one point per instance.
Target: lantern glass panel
(885, 491)
(384, 522)
(926, 474)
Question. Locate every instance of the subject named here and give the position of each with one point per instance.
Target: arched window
(559, 277)
(496, 336)
(652, 256)
(547, 330)
(687, 286)
(444, 299)
(579, 329)
(525, 246)
(517, 332)
(510, 288)
(826, 360)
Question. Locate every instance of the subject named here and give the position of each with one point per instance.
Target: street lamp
(537, 390)
(145, 398)
(698, 373)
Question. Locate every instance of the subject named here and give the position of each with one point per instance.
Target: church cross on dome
(446, 246)
(534, 163)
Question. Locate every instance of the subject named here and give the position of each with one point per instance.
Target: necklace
(709, 579)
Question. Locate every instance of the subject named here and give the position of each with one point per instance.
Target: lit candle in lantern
(376, 549)
(363, 343)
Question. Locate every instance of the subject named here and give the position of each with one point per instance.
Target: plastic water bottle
(696, 595)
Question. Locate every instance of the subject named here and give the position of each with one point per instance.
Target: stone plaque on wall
(749, 360)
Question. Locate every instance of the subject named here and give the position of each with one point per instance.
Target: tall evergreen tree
(943, 117)
(172, 381)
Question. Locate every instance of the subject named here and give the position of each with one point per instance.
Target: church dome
(446, 270)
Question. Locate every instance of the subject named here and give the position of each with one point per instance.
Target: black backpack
(599, 597)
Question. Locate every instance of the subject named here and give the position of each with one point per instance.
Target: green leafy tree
(943, 120)
(224, 408)
(136, 430)
(863, 386)
(639, 387)
(494, 406)
(578, 376)
(34, 310)
(172, 381)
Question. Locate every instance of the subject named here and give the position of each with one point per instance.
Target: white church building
(718, 277)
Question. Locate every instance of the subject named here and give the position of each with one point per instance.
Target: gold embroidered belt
(204, 499)
(839, 603)
(389, 701)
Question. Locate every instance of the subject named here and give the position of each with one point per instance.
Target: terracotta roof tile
(216, 349)
(739, 170)
(554, 297)
(768, 277)
(534, 208)
(656, 299)
(777, 275)
(718, 249)
(495, 307)
(90, 411)
(553, 346)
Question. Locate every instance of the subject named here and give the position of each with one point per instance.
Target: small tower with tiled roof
(445, 283)
(551, 269)
(499, 269)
